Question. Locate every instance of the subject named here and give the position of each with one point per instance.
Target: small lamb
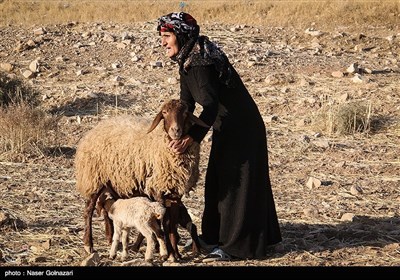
(140, 213)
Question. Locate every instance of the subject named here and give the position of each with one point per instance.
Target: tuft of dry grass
(329, 13)
(13, 91)
(25, 129)
(344, 119)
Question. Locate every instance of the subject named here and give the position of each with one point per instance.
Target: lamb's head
(103, 198)
(158, 210)
(177, 119)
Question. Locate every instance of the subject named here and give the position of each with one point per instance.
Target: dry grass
(344, 119)
(13, 90)
(25, 129)
(273, 13)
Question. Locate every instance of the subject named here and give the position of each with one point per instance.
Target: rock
(313, 183)
(356, 190)
(8, 67)
(337, 74)
(347, 217)
(91, 260)
(311, 212)
(27, 74)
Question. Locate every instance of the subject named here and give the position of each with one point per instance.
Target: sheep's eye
(164, 112)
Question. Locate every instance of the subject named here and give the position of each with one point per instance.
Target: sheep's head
(176, 119)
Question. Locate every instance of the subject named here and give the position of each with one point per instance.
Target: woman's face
(170, 43)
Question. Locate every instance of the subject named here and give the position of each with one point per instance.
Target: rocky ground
(337, 197)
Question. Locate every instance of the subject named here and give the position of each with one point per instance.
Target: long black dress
(239, 212)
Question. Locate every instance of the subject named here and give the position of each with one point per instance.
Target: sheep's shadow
(60, 151)
(362, 231)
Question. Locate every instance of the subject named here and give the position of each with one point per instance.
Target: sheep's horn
(156, 121)
(196, 120)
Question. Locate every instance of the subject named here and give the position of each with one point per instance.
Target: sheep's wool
(119, 150)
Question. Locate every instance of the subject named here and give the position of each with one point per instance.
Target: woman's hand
(180, 146)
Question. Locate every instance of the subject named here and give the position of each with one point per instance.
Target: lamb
(120, 155)
(136, 212)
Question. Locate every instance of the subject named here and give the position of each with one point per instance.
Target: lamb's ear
(99, 205)
(196, 120)
(156, 121)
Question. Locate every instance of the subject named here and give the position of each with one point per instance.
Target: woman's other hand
(180, 146)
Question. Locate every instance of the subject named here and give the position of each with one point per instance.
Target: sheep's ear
(196, 120)
(156, 121)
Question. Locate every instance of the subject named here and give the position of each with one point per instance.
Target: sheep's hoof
(171, 258)
(124, 257)
(88, 249)
(149, 260)
(112, 257)
(195, 252)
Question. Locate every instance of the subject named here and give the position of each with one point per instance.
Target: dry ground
(350, 219)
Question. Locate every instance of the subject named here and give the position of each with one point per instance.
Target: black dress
(239, 213)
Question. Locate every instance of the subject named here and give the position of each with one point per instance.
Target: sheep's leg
(186, 221)
(173, 230)
(125, 241)
(87, 216)
(166, 226)
(114, 245)
(155, 226)
(138, 242)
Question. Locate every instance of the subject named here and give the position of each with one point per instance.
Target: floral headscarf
(194, 49)
(182, 24)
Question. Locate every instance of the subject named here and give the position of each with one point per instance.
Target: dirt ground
(90, 71)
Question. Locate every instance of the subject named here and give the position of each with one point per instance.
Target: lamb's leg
(109, 226)
(146, 231)
(87, 216)
(155, 226)
(186, 221)
(125, 241)
(116, 238)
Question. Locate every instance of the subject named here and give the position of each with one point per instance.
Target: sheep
(183, 220)
(136, 212)
(120, 155)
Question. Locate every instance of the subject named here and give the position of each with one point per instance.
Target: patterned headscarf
(194, 49)
(182, 24)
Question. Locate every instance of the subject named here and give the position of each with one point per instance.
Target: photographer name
(47, 272)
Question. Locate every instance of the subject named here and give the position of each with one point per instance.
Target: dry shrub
(13, 91)
(254, 12)
(25, 129)
(344, 119)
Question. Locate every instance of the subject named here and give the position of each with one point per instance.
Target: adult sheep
(119, 154)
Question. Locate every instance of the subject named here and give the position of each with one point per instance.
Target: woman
(239, 216)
